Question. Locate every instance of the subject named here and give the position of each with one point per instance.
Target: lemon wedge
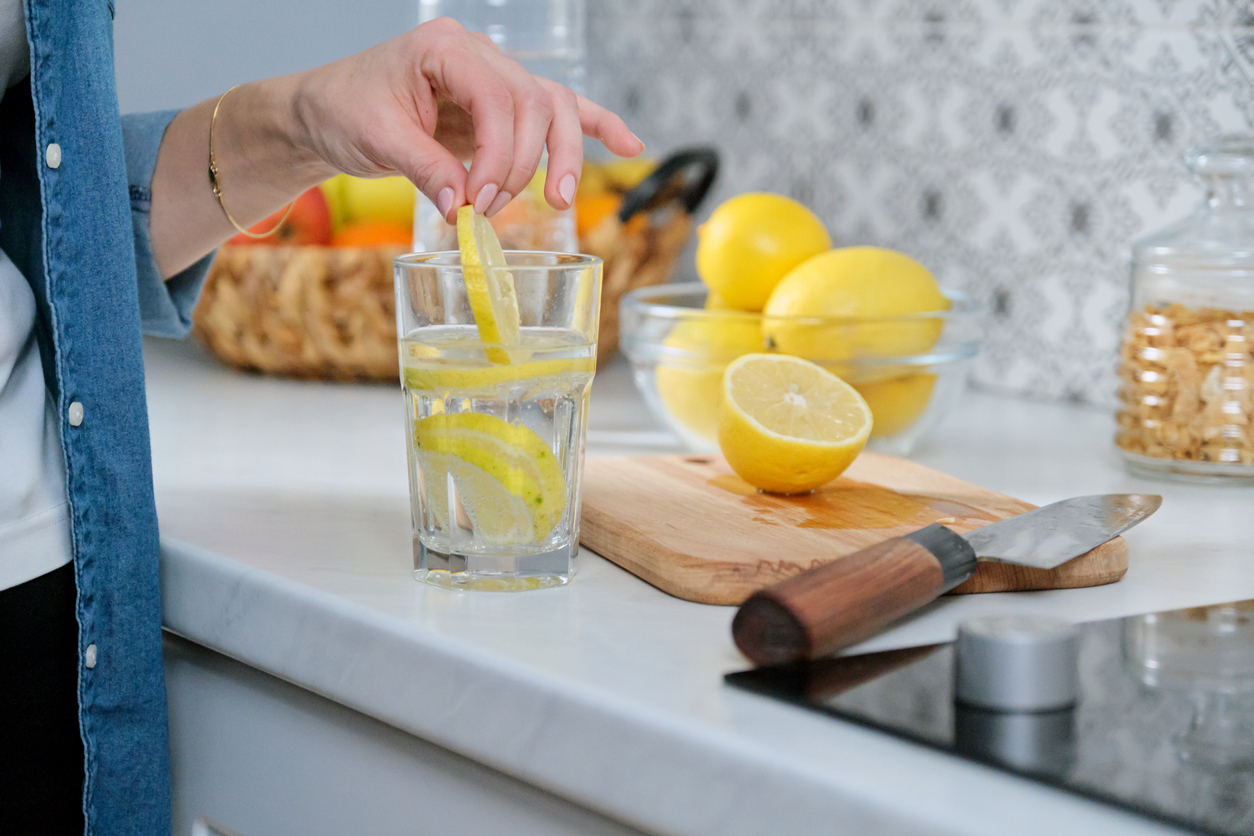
(489, 285)
(499, 468)
(787, 425)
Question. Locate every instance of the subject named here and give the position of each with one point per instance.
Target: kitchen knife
(852, 598)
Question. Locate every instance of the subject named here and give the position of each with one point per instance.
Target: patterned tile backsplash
(1016, 147)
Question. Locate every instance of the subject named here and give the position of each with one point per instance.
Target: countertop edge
(649, 770)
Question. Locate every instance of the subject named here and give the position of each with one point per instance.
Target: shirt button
(52, 156)
(76, 414)
(89, 656)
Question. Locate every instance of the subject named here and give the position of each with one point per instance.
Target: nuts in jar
(1187, 384)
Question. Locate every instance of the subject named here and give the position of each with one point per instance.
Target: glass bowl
(911, 368)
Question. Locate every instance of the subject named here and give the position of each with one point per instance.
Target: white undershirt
(34, 519)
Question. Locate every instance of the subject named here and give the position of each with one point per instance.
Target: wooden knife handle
(851, 598)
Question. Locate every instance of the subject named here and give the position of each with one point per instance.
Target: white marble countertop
(286, 545)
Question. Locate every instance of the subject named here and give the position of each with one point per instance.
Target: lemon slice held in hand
(787, 425)
(489, 285)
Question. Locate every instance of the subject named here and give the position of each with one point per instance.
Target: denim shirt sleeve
(165, 307)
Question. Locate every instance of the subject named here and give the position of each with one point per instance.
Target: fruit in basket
(690, 382)
(592, 210)
(333, 191)
(621, 175)
(309, 222)
(612, 176)
(896, 402)
(389, 199)
(751, 242)
(854, 282)
(787, 425)
(373, 234)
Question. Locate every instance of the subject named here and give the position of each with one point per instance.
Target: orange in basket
(373, 234)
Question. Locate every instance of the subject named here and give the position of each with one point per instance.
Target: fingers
(514, 116)
(533, 114)
(606, 126)
(436, 172)
(464, 74)
(565, 143)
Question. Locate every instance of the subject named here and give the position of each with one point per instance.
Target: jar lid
(1230, 154)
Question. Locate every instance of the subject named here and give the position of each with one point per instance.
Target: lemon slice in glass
(489, 285)
(498, 468)
(787, 425)
(435, 376)
(497, 515)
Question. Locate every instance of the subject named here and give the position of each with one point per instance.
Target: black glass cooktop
(1164, 724)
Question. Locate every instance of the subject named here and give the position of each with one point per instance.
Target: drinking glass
(495, 438)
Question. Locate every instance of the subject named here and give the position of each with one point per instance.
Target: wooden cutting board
(691, 527)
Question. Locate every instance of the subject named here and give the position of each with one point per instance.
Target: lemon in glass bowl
(678, 347)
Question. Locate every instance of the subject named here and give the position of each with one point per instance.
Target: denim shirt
(74, 201)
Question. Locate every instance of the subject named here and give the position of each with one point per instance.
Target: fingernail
(444, 201)
(638, 139)
(498, 204)
(484, 200)
(566, 188)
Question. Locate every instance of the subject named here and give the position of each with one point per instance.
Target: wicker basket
(330, 313)
(316, 312)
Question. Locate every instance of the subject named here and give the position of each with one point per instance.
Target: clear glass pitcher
(1187, 362)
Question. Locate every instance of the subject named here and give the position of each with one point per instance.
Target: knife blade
(848, 600)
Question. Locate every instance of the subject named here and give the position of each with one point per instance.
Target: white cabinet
(256, 756)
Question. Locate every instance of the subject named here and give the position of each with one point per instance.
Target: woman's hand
(417, 105)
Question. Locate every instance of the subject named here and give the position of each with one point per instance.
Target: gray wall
(1016, 148)
(171, 53)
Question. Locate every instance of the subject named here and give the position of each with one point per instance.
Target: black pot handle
(684, 177)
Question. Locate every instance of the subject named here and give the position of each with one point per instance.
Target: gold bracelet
(217, 188)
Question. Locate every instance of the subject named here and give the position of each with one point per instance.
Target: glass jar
(1187, 363)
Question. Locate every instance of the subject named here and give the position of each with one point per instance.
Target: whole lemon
(690, 382)
(896, 402)
(854, 282)
(751, 242)
(388, 199)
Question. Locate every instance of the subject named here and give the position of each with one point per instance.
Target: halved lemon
(489, 285)
(787, 425)
(513, 461)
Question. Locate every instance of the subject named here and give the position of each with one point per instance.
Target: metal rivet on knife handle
(851, 598)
